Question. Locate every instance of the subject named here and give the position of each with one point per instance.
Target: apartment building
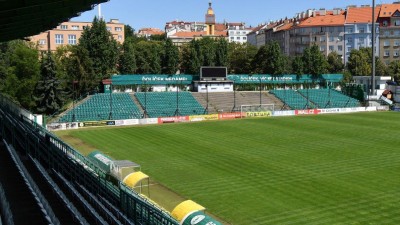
(279, 33)
(68, 33)
(358, 29)
(324, 29)
(237, 32)
(148, 32)
(389, 32)
(252, 36)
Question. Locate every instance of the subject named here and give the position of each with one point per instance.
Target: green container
(199, 218)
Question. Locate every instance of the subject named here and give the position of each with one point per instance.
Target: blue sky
(155, 13)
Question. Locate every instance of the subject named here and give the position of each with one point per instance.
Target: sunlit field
(327, 169)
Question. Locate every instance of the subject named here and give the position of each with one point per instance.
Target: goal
(263, 110)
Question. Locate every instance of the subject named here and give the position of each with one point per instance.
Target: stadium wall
(211, 117)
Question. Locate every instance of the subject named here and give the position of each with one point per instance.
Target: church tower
(210, 20)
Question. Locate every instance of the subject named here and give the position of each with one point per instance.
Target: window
(386, 33)
(75, 27)
(244, 38)
(340, 48)
(397, 22)
(72, 39)
(42, 41)
(396, 43)
(385, 23)
(349, 30)
(386, 43)
(231, 32)
(59, 39)
(340, 38)
(396, 53)
(361, 30)
(322, 48)
(331, 48)
(84, 27)
(232, 38)
(119, 37)
(350, 39)
(118, 28)
(331, 29)
(331, 39)
(387, 53)
(397, 32)
(361, 41)
(109, 28)
(237, 38)
(237, 32)
(322, 39)
(64, 27)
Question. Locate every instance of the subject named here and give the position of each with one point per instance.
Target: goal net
(263, 110)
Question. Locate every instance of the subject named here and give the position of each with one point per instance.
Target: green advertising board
(283, 79)
(151, 79)
(199, 218)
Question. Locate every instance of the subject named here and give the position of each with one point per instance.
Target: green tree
(221, 54)
(127, 60)
(394, 70)
(359, 63)
(259, 59)
(314, 62)
(297, 65)
(170, 59)
(148, 57)
(276, 62)
(206, 51)
(240, 57)
(380, 68)
(20, 71)
(101, 47)
(49, 95)
(335, 64)
(129, 32)
(80, 70)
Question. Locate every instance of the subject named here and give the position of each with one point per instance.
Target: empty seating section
(317, 98)
(163, 104)
(329, 98)
(293, 99)
(97, 107)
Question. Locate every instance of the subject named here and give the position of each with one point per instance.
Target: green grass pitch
(330, 169)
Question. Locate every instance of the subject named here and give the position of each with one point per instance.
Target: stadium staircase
(224, 101)
(164, 104)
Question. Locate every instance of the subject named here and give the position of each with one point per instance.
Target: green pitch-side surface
(331, 169)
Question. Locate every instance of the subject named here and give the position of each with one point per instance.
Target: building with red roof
(389, 32)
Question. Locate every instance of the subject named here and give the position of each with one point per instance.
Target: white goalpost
(263, 110)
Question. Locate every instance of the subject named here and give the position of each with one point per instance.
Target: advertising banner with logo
(148, 121)
(175, 119)
(307, 112)
(203, 117)
(283, 113)
(126, 122)
(259, 114)
(229, 116)
(97, 123)
(328, 111)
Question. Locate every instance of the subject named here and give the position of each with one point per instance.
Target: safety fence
(78, 172)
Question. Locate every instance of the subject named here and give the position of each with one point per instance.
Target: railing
(46, 148)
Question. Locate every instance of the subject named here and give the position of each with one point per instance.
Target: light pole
(259, 78)
(110, 115)
(373, 49)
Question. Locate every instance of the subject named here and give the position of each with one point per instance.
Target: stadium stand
(97, 107)
(224, 101)
(293, 99)
(329, 98)
(163, 104)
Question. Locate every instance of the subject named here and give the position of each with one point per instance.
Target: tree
(129, 32)
(359, 63)
(240, 57)
(206, 51)
(221, 54)
(80, 70)
(335, 64)
(314, 62)
(394, 70)
(380, 68)
(270, 60)
(170, 59)
(148, 57)
(49, 95)
(20, 70)
(297, 66)
(101, 47)
(127, 60)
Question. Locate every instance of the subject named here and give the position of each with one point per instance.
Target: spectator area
(97, 107)
(163, 104)
(315, 98)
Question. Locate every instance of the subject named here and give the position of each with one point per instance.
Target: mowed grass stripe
(331, 169)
